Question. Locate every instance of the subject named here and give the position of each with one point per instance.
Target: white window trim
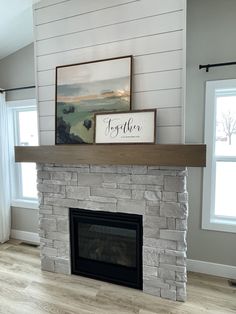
(209, 220)
(18, 202)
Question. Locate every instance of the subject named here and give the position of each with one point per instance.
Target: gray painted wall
(211, 28)
(17, 70)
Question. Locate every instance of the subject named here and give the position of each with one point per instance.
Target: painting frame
(138, 137)
(109, 88)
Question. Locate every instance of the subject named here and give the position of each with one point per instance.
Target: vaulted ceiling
(16, 25)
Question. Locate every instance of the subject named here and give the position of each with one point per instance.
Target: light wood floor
(24, 288)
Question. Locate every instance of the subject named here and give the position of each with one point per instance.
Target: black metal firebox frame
(114, 273)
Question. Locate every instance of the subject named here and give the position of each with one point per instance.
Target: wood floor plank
(25, 289)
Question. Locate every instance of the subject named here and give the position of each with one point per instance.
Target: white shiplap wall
(153, 31)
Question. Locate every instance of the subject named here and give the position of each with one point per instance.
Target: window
(219, 209)
(23, 131)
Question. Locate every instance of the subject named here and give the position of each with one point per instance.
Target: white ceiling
(16, 25)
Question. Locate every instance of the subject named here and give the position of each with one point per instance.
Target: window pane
(226, 126)
(28, 135)
(225, 189)
(28, 131)
(29, 179)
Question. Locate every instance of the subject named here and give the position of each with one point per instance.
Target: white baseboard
(25, 236)
(219, 270)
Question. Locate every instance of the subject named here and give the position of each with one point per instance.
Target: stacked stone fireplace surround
(157, 193)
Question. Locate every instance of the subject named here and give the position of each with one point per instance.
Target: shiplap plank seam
(128, 30)
(41, 5)
(84, 13)
(134, 55)
(104, 26)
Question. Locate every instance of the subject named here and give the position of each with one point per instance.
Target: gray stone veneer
(157, 193)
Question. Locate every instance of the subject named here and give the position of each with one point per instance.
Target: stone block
(181, 246)
(150, 187)
(78, 192)
(90, 179)
(181, 276)
(45, 209)
(167, 259)
(47, 224)
(170, 223)
(181, 294)
(117, 178)
(175, 235)
(154, 222)
(132, 186)
(63, 249)
(175, 253)
(109, 185)
(181, 224)
(47, 264)
(117, 193)
(60, 211)
(166, 274)
(152, 210)
(166, 244)
(137, 195)
(150, 271)
(43, 174)
(154, 282)
(151, 290)
(49, 251)
(124, 169)
(151, 232)
(139, 169)
(61, 176)
(131, 206)
(103, 169)
(58, 236)
(46, 242)
(181, 261)
(102, 199)
(61, 202)
(147, 179)
(152, 195)
(173, 168)
(63, 224)
(150, 256)
(174, 184)
(49, 188)
(62, 266)
(169, 196)
(153, 243)
(174, 267)
(168, 294)
(183, 197)
(97, 205)
(175, 210)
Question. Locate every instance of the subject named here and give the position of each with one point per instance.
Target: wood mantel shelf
(128, 154)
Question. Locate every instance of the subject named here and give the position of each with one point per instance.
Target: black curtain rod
(207, 66)
(16, 88)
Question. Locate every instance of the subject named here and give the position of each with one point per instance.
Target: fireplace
(120, 193)
(107, 246)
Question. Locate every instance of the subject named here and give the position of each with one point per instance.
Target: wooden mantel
(129, 154)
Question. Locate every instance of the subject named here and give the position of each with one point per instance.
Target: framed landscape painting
(85, 89)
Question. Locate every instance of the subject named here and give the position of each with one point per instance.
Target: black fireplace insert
(107, 246)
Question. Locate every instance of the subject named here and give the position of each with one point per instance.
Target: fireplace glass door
(107, 246)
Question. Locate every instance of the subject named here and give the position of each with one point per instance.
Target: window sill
(217, 224)
(25, 204)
